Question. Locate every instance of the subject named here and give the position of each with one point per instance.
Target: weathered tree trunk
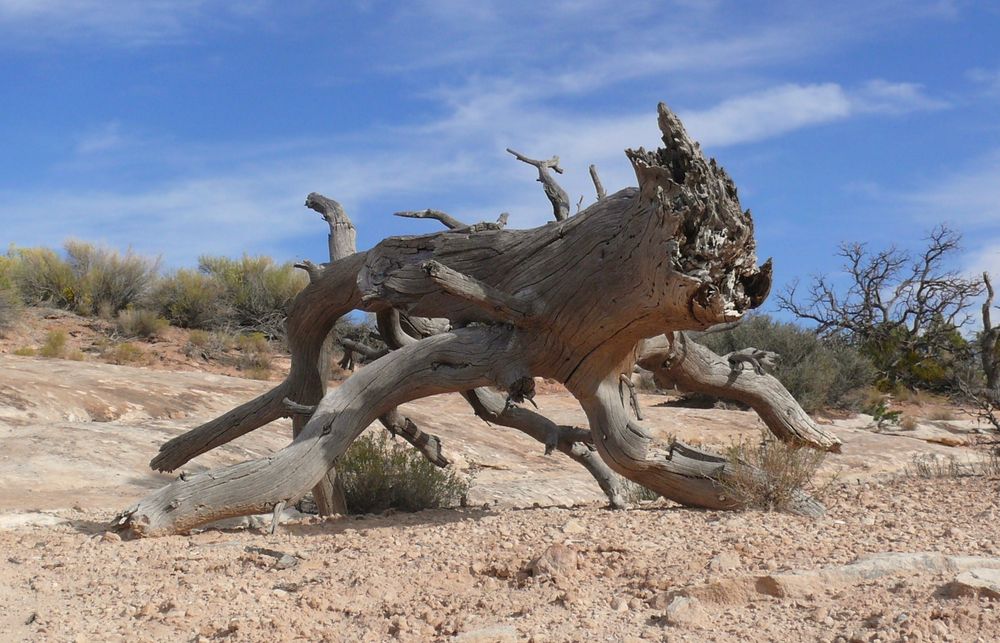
(676, 360)
(569, 301)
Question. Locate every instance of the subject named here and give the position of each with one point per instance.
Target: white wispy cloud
(33, 23)
(987, 79)
(103, 138)
(969, 196)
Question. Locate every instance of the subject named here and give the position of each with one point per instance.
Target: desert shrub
(10, 307)
(55, 344)
(106, 278)
(770, 474)
(908, 423)
(42, 277)
(932, 465)
(635, 493)
(255, 352)
(380, 474)
(125, 353)
(26, 351)
(88, 279)
(255, 291)
(941, 414)
(199, 338)
(189, 299)
(138, 322)
(818, 373)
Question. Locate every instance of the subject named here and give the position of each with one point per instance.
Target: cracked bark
(677, 253)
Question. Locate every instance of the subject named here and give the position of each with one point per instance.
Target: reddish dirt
(77, 436)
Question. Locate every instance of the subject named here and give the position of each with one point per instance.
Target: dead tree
(896, 306)
(989, 347)
(568, 301)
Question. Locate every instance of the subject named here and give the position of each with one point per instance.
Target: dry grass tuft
(55, 344)
(138, 322)
(770, 474)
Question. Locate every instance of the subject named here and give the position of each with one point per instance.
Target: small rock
(820, 614)
(287, 561)
(619, 604)
(975, 582)
(684, 611)
(662, 600)
(939, 627)
(573, 526)
(557, 561)
(110, 537)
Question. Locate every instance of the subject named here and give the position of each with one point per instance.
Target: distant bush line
(252, 294)
(819, 373)
(249, 294)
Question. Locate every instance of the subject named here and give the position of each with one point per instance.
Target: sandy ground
(76, 438)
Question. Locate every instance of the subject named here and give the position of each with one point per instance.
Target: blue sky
(197, 127)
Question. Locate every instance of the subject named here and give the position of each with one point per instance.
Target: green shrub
(379, 474)
(55, 344)
(882, 416)
(125, 353)
(255, 291)
(106, 278)
(88, 280)
(26, 351)
(10, 307)
(42, 277)
(189, 299)
(255, 354)
(138, 322)
(771, 474)
(818, 373)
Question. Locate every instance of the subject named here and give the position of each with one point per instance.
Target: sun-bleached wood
(568, 301)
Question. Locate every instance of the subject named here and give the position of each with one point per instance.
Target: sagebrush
(818, 373)
(770, 474)
(379, 474)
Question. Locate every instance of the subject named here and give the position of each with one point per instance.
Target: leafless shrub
(769, 475)
(903, 311)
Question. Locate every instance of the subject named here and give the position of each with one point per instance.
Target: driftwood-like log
(674, 254)
(677, 360)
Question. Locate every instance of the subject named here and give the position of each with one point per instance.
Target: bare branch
(311, 269)
(597, 183)
(428, 445)
(556, 195)
(506, 307)
(370, 353)
(449, 221)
